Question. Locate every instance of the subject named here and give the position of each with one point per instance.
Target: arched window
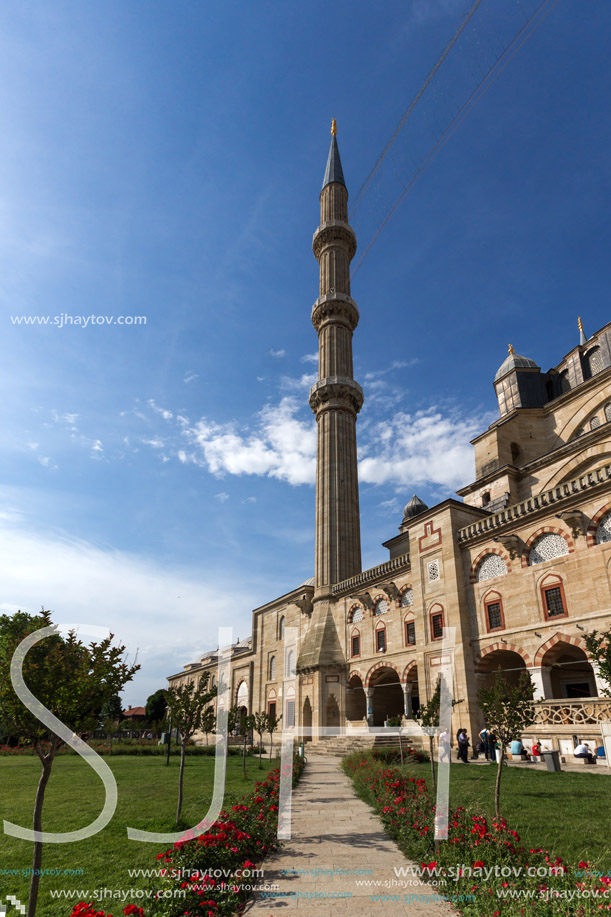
(437, 622)
(355, 643)
(356, 615)
(213, 681)
(565, 385)
(407, 598)
(380, 607)
(272, 669)
(579, 432)
(608, 412)
(290, 664)
(380, 638)
(603, 532)
(547, 547)
(493, 611)
(490, 566)
(281, 625)
(594, 422)
(410, 632)
(593, 362)
(552, 597)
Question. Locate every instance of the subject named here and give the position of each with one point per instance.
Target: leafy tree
(208, 722)
(507, 710)
(273, 722)
(242, 723)
(186, 705)
(259, 724)
(111, 716)
(598, 646)
(156, 706)
(73, 681)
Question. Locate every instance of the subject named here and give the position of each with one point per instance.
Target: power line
(482, 87)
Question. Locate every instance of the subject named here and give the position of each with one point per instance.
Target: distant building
(520, 567)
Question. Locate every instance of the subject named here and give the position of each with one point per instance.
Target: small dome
(514, 361)
(414, 508)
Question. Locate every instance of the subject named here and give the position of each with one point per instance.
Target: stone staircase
(340, 746)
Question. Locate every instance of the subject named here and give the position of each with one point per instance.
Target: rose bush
(239, 839)
(481, 860)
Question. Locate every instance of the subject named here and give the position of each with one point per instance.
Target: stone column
(542, 681)
(407, 701)
(369, 699)
(601, 684)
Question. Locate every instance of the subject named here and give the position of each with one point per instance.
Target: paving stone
(323, 839)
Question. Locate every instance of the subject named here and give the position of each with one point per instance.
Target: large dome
(514, 361)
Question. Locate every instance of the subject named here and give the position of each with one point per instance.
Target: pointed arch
(383, 664)
(495, 647)
(596, 518)
(546, 530)
(559, 637)
(483, 554)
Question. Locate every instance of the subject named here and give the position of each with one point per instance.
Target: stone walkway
(333, 830)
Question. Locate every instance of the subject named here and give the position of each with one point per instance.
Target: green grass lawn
(565, 813)
(147, 792)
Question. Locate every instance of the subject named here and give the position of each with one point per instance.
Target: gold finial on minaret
(511, 350)
(579, 324)
(333, 127)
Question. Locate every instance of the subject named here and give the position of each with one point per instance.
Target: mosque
(519, 566)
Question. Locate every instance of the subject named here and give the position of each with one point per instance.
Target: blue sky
(164, 160)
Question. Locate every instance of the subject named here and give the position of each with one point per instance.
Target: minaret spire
(582, 338)
(334, 171)
(336, 398)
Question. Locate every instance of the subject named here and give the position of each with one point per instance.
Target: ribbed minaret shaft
(336, 398)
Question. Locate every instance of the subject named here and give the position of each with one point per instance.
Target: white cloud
(32, 446)
(135, 597)
(156, 442)
(277, 353)
(190, 377)
(428, 447)
(47, 462)
(167, 415)
(250, 500)
(280, 446)
(222, 497)
(309, 358)
(304, 382)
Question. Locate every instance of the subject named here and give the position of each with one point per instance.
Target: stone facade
(520, 568)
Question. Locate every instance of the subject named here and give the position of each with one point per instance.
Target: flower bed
(239, 839)
(481, 861)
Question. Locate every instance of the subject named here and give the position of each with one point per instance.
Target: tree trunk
(432, 764)
(244, 759)
(260, 749)
(183, 748)
(497, 791)
(47, 763)
(271, 746)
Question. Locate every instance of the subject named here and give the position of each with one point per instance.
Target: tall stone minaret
(336, 398)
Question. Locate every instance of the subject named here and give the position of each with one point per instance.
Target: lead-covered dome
(514, 361)
(414, 508)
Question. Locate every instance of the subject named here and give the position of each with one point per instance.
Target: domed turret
(414, 508)
(514, 361)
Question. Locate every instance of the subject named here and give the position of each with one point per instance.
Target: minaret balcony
(336, 393)
(335, 307)
(332, 232)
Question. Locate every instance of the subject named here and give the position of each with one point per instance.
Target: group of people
(487, 745)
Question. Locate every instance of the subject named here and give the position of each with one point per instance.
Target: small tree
(259, 724)
(111, 716)
(273, 722)
(186, 704)
(156, 706)
(208, 722)
(428, 717)
(507, 710)
(238, 721)
(71, 680)
(598, 646)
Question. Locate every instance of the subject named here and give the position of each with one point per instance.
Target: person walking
(463, 745)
